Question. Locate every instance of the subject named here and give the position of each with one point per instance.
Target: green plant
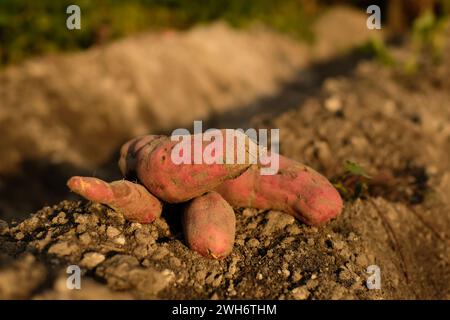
(29, 28)
(376, 47)
(353, 183)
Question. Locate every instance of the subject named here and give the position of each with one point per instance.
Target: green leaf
(355, 169)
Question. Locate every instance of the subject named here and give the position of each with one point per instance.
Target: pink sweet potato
(296, 189)
(150, 158)
(209, 226)
(132, 200)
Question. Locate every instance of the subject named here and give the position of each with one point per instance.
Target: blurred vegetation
(428, 39)
(29, 27)
(376, 47)
(354, 182)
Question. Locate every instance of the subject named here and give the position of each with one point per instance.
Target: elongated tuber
(131, 199)
(296, 189)
(151, 158)
(209, 226)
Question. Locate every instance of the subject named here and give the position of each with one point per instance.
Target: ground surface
(396, 126)
(402, 226)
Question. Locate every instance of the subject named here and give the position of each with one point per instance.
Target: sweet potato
(297, 190)
(131, 199)
(209, 226)
(150, 158)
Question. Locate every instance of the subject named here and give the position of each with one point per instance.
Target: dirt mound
(340, 29)
(79, 108)
(397, 128)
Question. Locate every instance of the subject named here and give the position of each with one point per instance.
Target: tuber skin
(149, 157)
(131, 199)
(296, 189)
(209, 226)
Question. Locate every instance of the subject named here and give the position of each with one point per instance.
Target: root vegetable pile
(210, 191)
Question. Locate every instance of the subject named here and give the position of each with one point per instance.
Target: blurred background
(70, 98)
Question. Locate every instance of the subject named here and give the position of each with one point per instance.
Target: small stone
(142, 236)
(175, 261)
(351, 236)
(116, 217)
(217, 281)
(286, 273)
(112, 232)
(313, 276)
(288, 240)
(248, 212)
(200, 276)
(81, 228)
(81, 219)
(233, 267)
(29, 225)
(209, 279)
(300, 293)
(311, 284)
(140, 251)
(92, 259)
(362, 260)
(333, 104)
(85, 238)
(215, 296)
(338, 292)
(60, 218)
(134, 226)
(253, 243)
(252, 225)
(63, 249)
(338, 244)
(146, 263)
(41, 244)
(160, 253)
(259, 276)
(19, 235)
(389, 107)
(293, 230)
(101, 229)
(120, 240)
(296, 276)
(345, 275)
(345, 253)
(40, 234)
(277, 220)
(4, 228)
(323, 152)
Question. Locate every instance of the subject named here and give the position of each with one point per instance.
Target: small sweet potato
(150, 158)
(209, 226)
(296, 189)
(131, 199)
